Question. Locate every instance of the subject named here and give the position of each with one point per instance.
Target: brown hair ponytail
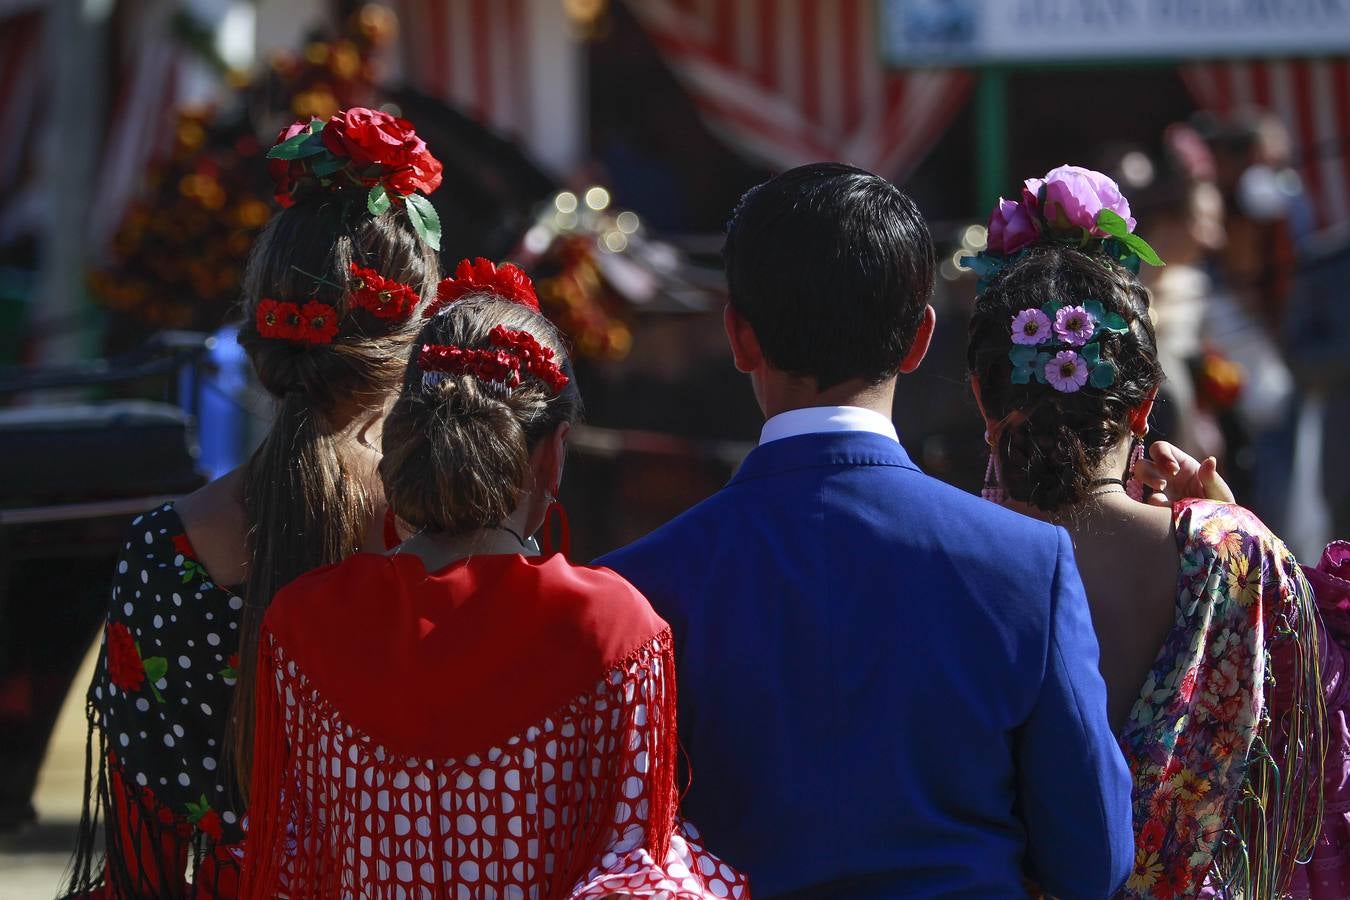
(304, 508)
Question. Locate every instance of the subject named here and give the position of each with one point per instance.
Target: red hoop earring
(556, 511)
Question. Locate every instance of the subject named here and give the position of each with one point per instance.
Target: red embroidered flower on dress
(1173, 883)
(1187, 687)
(182, 545)
(1151, 835)
(210, 825)
(125, 668)
(278, 319)
(318, 323)
(482, 276)
(383, 297)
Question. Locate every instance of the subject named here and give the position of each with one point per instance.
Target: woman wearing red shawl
(462, 716)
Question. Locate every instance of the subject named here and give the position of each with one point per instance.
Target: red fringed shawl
(505, 724)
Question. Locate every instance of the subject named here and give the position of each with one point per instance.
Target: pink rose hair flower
(1030, 327)
(1066, 372)
(1011, 228)
(1074, 325)
(1074, 197)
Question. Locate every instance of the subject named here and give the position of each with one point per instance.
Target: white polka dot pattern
(563, 809)
(158, 703)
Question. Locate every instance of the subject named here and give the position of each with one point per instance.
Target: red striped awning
(793, 81)
(471, 54)
(1312, 97)
(141, 124)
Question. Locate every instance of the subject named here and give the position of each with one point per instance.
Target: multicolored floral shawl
(1219, 801)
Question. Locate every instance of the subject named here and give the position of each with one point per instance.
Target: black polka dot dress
(161, 815)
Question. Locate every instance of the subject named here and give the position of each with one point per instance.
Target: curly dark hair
(1051, 444)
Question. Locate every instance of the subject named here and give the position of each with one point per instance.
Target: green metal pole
(991, 136)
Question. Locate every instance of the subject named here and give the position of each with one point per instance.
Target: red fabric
(430, 663)
(391, 538)
(151, 843)
(504, 725)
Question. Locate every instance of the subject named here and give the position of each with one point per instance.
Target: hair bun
(1055, 441)
(457, 441)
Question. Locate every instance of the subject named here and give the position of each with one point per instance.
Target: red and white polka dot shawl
(501, 728)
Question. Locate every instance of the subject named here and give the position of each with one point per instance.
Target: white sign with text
(1027, 31)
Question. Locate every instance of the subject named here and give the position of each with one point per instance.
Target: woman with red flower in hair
(463, 715)
(330, 303)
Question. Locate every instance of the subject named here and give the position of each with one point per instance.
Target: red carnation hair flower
(278, 319)
(516, 352)
(385, 298)
(483, 276)
(318, 323)
(125, 668)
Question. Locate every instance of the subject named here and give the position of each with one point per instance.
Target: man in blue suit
(887, 687)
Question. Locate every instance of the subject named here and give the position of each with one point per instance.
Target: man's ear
(745, 350)
(922, 339)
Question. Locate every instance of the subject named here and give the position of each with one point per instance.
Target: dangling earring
(555, 511)
(992, 490)
(1133, 486)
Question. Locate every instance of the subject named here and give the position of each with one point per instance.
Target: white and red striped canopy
(791, 81)
(1312, 97)
(142, 106)
(473, 54)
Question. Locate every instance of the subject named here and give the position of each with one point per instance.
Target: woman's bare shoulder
(214, 519)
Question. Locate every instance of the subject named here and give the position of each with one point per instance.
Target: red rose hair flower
(318, 323)
(372, 138)
(361, 148)
(507, 281)
(125, 668)
(383, 297)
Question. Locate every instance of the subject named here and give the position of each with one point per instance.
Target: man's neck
(782, 394)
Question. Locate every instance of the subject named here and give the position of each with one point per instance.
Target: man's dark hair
(832, 266)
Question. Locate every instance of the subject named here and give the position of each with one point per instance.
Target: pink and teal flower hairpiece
(1071, 205)
(1059, 344)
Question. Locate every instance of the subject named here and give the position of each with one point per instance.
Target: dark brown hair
(456, 448)
(304, 509)
(1050, 444)
(833, 267)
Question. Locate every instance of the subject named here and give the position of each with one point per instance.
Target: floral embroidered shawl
(1217, 803)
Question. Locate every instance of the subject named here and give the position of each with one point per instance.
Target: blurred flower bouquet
(178, 256)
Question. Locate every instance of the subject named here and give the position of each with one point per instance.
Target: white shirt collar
(825, 420)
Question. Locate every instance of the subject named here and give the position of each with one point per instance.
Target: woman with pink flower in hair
(1197, 605)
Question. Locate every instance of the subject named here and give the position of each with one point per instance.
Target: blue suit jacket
(887, 686)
